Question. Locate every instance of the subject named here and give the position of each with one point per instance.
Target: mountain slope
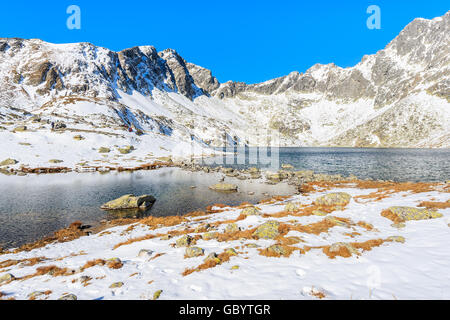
(398, 97)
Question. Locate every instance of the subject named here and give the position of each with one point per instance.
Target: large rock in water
(411, 213)
(224, 187)
(130, 201)
(334, 199)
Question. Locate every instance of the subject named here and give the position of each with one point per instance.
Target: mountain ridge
(397, 97)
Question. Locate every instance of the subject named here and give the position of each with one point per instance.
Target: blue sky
(246, 40)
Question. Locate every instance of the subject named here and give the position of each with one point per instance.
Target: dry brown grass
(391, 216)
(25, 262)
(435, 205)
(288, 250)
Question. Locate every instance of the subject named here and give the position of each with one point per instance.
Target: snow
(416, 269)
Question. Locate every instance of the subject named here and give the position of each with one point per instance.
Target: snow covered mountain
(398, 97)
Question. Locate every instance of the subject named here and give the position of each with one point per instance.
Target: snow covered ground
(386, 262)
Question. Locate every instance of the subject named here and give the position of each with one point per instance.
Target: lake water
(380, 164)
(32, 207)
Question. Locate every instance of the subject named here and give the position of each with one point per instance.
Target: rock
(224, 187)
(234, 267)
(210, 235)
(166, 237)
(227, 170)
(398, 225)
(20, 129)
(277, 249)
(130, 201)
(338, 246)
(55, 161)
(287, 166)
(232, 227)
(252, 245)
(145, 253)
(104, 150)
(268, 230)
(78, 137)
(8, 162)
(116, 285)
(250, 211)
(254, 170)
(184, 241)
(6, 278)
(291, 207)
(397, 239)
(274, 177)
(126, 150)
(60, 125)
(114, 263)
(68, 297)
(411, 213)
(255, 176)
(157, 294)
(212, 257)
(334, 199)
(193, 252)
(231, 252)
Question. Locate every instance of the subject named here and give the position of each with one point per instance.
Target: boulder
(104, 150)
(145, 253)
(232, 227)
(224, 187)
(68, 297)
(213, 258)
(291, 207)
(231, 252)
(8, 162)
(277, 250)
(55, 161)
(210, 236)
(410, 213)
(397, 239)
(157, 294)
(193, 252)
(287, 166)
(20, 129)
(126, 150)
(343, 247)
(130, 201)
(6, 278)
(116, 285)
(268, 230)
(184, 241)
(334, 199)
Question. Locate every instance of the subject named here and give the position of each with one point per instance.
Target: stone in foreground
(268, 230)
(8, 162)
(130, 201)
(224, 187)
(334, 199)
